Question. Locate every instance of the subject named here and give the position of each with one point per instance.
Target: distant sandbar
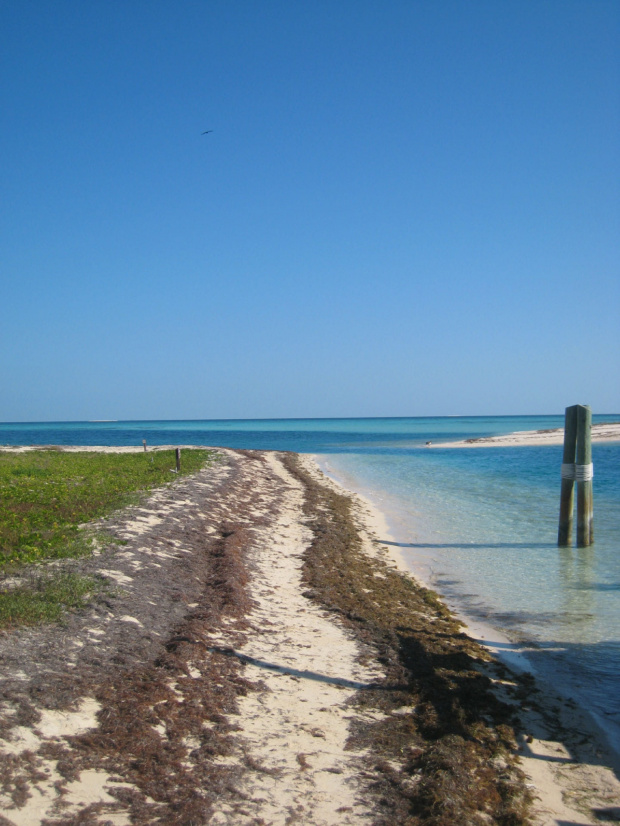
(605, 432)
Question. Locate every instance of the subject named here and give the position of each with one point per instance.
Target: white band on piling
(584, 473)
(578, 473)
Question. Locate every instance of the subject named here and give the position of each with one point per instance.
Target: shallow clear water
(479, 524)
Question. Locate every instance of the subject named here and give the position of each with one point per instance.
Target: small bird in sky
(207, 132)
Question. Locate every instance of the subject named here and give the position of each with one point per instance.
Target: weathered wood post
(584, 473)
(177, 454)
(577, 467)
(565, 530)
(144, 444)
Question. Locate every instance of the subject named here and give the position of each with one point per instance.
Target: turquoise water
(301, 435)
(479, 524)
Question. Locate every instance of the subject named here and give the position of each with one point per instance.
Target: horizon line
(299, 418)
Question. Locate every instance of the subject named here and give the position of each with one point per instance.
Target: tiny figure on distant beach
(428, 443)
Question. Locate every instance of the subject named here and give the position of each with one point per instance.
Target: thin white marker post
(177, 454)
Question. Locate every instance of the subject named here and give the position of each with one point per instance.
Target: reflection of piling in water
(577, 467)
(577, 591)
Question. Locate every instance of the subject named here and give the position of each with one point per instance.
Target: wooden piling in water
(583, 475)
(577, 467)
(567, 495)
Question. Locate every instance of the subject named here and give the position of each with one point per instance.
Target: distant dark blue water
(479, 524)
(299, 435)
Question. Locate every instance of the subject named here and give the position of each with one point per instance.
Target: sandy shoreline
(554, 436)
(244, 688)
(514, 654)
(554, 785)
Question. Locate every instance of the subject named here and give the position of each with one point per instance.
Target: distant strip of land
(606, 432)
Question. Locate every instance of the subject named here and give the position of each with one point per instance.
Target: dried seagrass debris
(437, 763)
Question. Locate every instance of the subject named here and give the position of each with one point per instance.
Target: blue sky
(404, 208)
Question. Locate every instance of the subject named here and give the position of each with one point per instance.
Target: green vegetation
(44, 599)
(45, 498)
(46, 495)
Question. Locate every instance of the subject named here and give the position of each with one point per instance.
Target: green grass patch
(44, 599)
(45, 495)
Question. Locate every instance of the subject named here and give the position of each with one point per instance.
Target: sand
(554, 436)
(573, 772)
(280, 751)
(289, 757)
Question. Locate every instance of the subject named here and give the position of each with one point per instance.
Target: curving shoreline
(577, 739)
(261, 645)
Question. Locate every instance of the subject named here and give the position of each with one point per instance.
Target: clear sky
(404, 208)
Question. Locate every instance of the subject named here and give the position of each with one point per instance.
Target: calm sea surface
(479, 524)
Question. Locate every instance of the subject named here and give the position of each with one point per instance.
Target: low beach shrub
(46, 495)
(44, 599)
(47, 499)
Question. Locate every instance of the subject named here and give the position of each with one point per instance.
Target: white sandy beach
(555, 436)
(569, 775)
(293, 731)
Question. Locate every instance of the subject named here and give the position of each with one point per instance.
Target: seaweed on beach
(443, 746)
(439, 743)
(165, 724)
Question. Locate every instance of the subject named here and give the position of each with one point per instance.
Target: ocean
(478, 525)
